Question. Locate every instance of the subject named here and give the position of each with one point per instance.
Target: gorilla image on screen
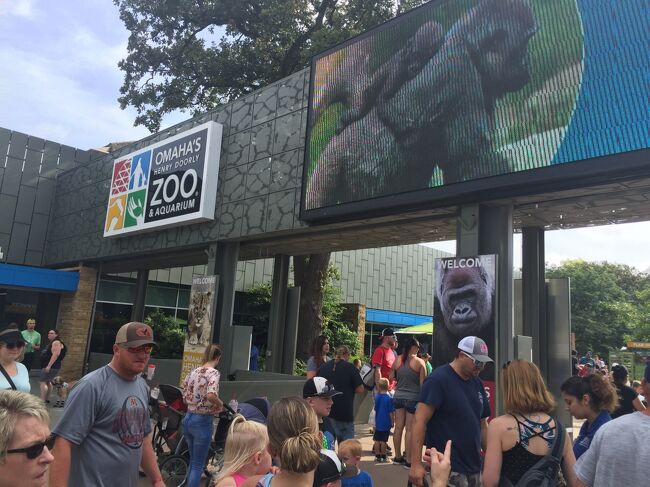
(431, 106)
(463, 304)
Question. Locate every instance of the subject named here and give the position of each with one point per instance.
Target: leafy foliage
(610, 303)
(194, 55)
(168, 333)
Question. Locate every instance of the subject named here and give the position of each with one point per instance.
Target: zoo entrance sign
(168, 183)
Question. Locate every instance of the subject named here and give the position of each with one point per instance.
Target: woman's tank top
(517, 460)
(408, 382)
(265, 481)
(238, 478)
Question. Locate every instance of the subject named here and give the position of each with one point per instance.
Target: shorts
(381, 436)
(48, 376)
(464, 479)
(407, 404)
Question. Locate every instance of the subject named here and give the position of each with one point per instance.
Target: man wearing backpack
(619, 453)
(453, 406)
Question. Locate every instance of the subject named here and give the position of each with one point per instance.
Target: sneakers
(381, 459)
(378, 458)
(407, 465)
(399, 460)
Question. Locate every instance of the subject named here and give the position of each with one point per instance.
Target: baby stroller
(175, 467)
(167, 411)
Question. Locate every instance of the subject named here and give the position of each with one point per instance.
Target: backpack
(368, 376)
(545, 472)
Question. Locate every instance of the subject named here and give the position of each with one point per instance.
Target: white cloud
(18, 8)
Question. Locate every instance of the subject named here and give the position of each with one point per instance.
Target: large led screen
(459, 91)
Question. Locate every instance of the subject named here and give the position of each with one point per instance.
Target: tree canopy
(610, 303)
(196, 54)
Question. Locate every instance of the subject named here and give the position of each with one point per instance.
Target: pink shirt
(197, 385)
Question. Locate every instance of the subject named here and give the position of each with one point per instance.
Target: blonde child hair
(294, 435)
(382, 384)
(351, 447)
(245, 439)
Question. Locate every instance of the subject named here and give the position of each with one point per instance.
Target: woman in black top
(628, 399)
(520, 438)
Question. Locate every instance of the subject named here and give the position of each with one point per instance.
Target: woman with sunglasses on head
(51, 359)
(201, 394)
(25, 440)
(13, 374)
(526, 433)
(409, 372)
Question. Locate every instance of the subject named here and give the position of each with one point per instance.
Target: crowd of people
(438, 421)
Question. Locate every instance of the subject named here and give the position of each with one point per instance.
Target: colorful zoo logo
(167, 183)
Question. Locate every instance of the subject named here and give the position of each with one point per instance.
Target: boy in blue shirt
(350, 453)
(384, 420)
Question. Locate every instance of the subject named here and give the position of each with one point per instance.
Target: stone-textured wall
(28, 170)
(75, 313)
(258, 186)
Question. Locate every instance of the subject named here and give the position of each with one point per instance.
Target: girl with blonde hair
(525, 434)
(246, 453)
(295, 441)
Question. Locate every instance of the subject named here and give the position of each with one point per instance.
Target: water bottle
(233, 404)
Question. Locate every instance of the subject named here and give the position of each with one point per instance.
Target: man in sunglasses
(25, 440)
(453, 406)
(104, 433)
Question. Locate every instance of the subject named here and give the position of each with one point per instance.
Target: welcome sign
(168, 183)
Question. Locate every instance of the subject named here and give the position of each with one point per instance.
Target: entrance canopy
(423, 329)
(19, 276)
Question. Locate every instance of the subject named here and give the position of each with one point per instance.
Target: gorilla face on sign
(464, 307)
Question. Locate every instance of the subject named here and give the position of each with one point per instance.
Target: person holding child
(246, 453)
(384, 420)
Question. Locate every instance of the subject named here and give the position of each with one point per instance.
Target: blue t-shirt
(459, 407)
(361, 480)
(383, 408)
(587, 432)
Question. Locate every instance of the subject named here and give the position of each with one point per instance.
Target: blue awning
(395, 318)
(38, 278)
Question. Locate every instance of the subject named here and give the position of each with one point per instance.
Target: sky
(60, 81)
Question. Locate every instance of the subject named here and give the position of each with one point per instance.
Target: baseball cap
(11, 334)
(134, 334)
(319, 387)
(331, 469)
(387, 332)
(475, 347)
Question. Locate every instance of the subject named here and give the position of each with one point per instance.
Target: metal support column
(277, 313)
(222, 261)
(534, 314)
(482, 230)
(137, 312)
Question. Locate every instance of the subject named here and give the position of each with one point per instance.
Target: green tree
(168, 333)
(605, 302)
(194, 55)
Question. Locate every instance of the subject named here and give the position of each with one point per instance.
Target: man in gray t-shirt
(103, 435)
(620, 452)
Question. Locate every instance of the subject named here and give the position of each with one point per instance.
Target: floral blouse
(197, 385)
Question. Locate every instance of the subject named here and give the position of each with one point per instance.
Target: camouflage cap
(134, 334)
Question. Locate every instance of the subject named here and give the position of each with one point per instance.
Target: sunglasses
(142, 348)
(13, 345)
(477, 363)
(36, 450)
